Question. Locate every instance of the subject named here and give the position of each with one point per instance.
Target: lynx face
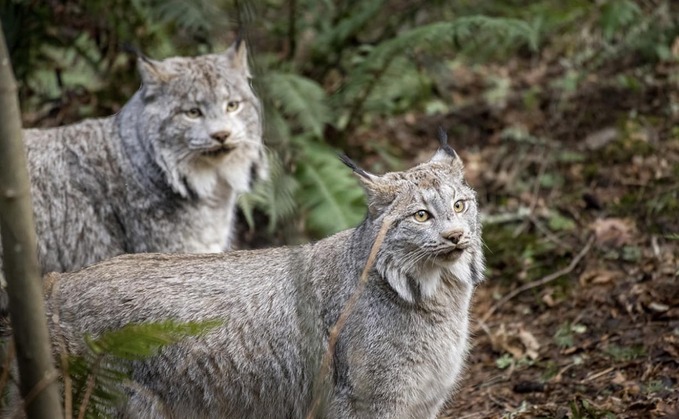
(204, 121)
(437, 219)
(435, 230)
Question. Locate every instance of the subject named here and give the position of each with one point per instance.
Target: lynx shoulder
(399, 355)
(162, 175)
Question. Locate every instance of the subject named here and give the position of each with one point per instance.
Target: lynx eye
(193, 113)
(421, 216)
(232, 106)
(459, 206)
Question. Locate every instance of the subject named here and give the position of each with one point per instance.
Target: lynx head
(435, 233)
(202, 121)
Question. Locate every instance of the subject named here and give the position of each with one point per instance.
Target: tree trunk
(39, 387)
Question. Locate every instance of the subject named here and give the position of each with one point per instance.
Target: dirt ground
(579, 316)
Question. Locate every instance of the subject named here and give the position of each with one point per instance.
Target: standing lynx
(399, 354)
(162, 175)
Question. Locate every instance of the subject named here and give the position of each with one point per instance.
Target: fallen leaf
(613, 232)
(530, 343)
(658, 307)
(601, 138)
(549, 300)
(597, 277)
(618, 378)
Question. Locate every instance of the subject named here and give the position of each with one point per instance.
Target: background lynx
(399, 354)
(162, 175)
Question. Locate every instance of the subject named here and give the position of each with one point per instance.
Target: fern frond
(483, 31)
(299, 98)
(401, 87)
(274, 196)
(99, 375)
(329, 192)
(138, 341)
(334, 37)
(194, 16)
(616, 15)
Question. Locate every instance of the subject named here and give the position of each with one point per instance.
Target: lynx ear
(445, 152)
(380, 193)
(446, 155)
(152, 71)
(237, 54)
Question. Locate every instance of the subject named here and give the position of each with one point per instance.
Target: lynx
(162, 175)
(399, 354)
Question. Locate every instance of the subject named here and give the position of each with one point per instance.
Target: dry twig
(6, 365)
(346, 312)
(540, 282)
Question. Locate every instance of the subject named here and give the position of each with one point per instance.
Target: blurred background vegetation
(332, 72)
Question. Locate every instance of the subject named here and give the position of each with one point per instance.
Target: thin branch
(292, 29)
(535, 193)
(359, 103)
(91, 380)
(348, 308)
(52, 286)
(540, 282)
(599, 374)
(6, 364)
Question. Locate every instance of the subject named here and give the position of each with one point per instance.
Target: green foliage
(335, 35)
(558, 222)
(99, 376)
(373, 64)
(617, 15)
(625, 353)
(276, 196)
(564, 336)
(504, 362)
(333, 201)
(298, 98)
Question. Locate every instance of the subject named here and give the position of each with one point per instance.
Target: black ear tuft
(443, 141)
(443, 136)
(131, 49)
(240, 37)
(346, 160)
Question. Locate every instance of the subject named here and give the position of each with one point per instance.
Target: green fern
(99, 375)
(299, 98)
(483, 31)
(402, 86)
(331, 197)
(274, 196)
(332, 38)
(616, 15)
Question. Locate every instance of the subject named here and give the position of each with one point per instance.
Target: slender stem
(348, 308)
(357, 108)
(22, 272)
(292, 29)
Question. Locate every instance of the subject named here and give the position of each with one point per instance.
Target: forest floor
(579, 316)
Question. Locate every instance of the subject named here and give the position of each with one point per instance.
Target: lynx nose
(220, 136)
(453, 235)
